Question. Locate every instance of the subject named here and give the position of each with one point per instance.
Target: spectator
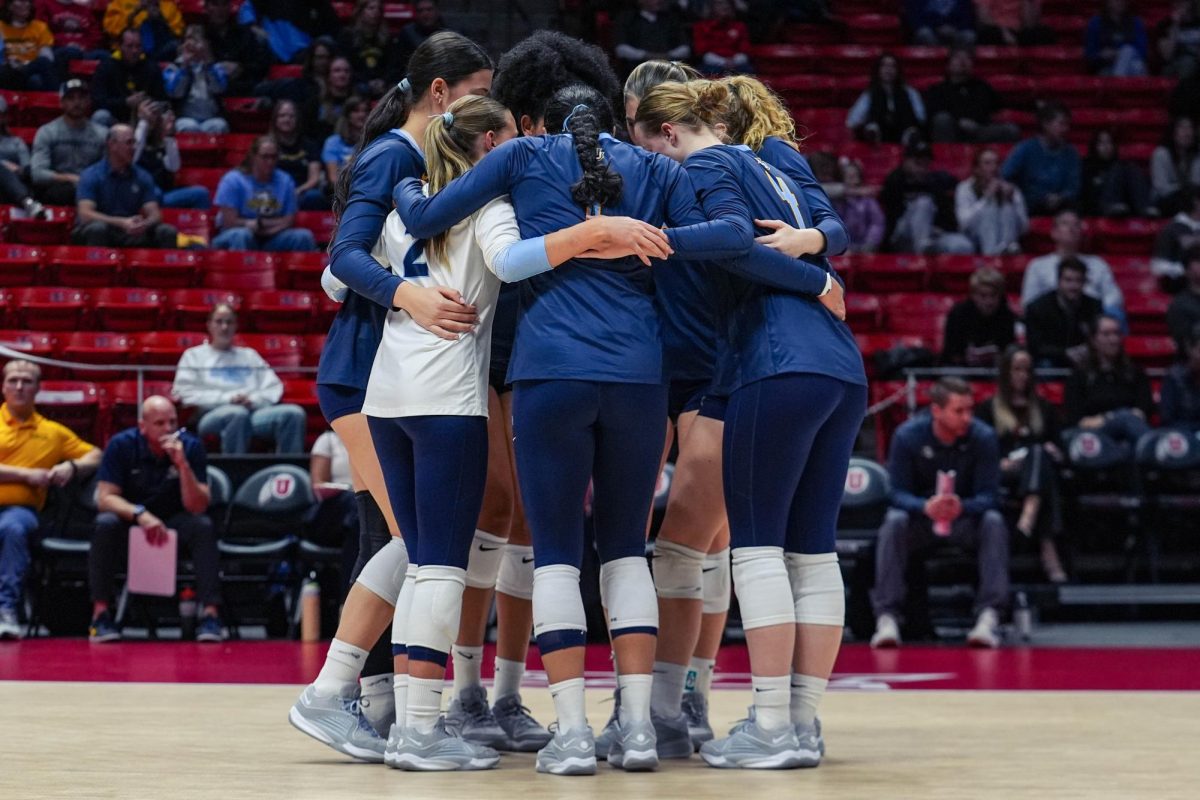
(28, 49)
(1181, 387)
(235, 391)
(196, 82)
(946, 440)
(35, 453)
(1046, 167)
(859, 210)
(290, 26)
(333, 521)
(1011, 22)
(156, 151)
(75, 27)
(1177, 238)
(65, 147)
(241, 54)
(258, 205)
(158, 24)
(299, 157)
(828, 173)
(981, 326)
(118, 201)
(14, 169)
(1115, 41)
(1058, 322)
(1113, 187)
(1175, 166)
(1026, 427)
(340, 145)
(322, 110)
(721, 41)
(369, 45)
(427, 20)
(919, 204)
(154, 476)
(1108, 392)
(990, 210)
(1041, 274)
(1178, 39)
(123, 82)
(940, 22)
(1183, 315)
(314, 72)
(961, 106)
(889, 110)
(654, 31)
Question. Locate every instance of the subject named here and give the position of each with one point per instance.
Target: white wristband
(828, 285)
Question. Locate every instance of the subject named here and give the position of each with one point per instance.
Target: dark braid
(590, 114)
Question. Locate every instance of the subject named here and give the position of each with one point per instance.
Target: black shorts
(684, 396)
(504, 332)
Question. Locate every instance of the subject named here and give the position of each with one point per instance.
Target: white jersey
(416, 372)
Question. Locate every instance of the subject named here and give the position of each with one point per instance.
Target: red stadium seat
(6, 302)
(188, 309)
(918, 314)
(51, 308)
(35, 343)
(783, 60)
(991, 61)
(128, 309)
(237, 145)
(1052, 60)
(1141, 92)
(240, 270)
(1016, 91)
(1151, 351)
(951, 273)
(300, 270)
(876, 29)
(86, 267)
(304, 394)
(88, 347)
(38, 108)
(83, 67)
(321, 223)
(246, 114)
(281, 71)
(802, 91)
(1147, 313)
(21, 265)
(163, 269)
(1075, 91)
(75, 404)
(1127, 236)
(864, 312)
(849, 59)
(165, 347)
(883, 273)
(314, 343)
(208, 177)
(280, 312)
(922, 63)
(123, 400)
(54, 229)
(190, 222)
(279, 350)
(200, 150)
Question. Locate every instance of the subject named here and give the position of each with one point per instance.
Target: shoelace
(354, 705)
(477, 710)
(524, 716)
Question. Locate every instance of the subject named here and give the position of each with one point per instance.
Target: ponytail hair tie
(405, 85)
(574, 111)
(447, 118)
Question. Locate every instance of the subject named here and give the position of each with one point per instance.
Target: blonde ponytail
(756, 113)
(696, 104)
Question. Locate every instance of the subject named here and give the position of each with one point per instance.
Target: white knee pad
(436, 608)
(817, 588)
(628, 592)
(557, 603)
(678, 571)
(760, 578)
(483, 565)
(516, 572)
(717, 585)
(384, 573)
(404, 607)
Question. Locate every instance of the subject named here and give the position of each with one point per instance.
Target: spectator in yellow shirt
(35, 453)
(159, 23)
(28, 57)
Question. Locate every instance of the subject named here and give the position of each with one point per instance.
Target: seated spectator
(258, 205)
(369, 45)
(979, 328)
(990, 210)
(1181, 387)
(1175, 166)
(961, 106)
(1057, 323)
(156, 151)
(241, 54)
(154, 476)
(35, 453)
(919, 205)
(427, 20)
(1177, 38)
(860, 212)
(196, 83)
(236, 392)
(1011, 22)
(14, 169)
(321, 111)
(333, 521)
(1026, 427)
(124, 82)
(1183, 315)
(118, 201)
(75, 26)
(654, 31)
(290, 26)
(1176, 239)
(314, 72)
(1107, 392)
(1041, 274)
(923, 514)
(939, 22)
(64, 147)
(1046, 167)
(1112, 186)
(157, 24)
(721, 41)
(889, 110)
(1115, 41)
(28, 49)
(340, 145)
(299, 157)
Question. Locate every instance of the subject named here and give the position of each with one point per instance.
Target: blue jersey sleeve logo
(415, 265)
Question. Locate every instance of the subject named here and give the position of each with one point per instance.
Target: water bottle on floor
(187, 613)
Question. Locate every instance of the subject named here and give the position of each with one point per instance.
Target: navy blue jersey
(688, 310)
(356, 331)
(814, 204)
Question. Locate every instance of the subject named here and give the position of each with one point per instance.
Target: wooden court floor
(185, 741)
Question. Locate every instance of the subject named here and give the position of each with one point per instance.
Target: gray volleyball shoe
(695, 708)
(570, 752)
(673, 735)
(608, 735)
(522, 731)
(810, 738)
(440, 750)
(339, 723)
(470, 715)
(751, 747)
(634, 748)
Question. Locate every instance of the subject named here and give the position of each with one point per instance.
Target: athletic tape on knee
(678, 571)
(817, 588)
(483, 565)
(402, 612)
(436, 609)
(632, 604)
(559, 620)
(760, 578)
(384, 573)
(717, 582)
(516, 572)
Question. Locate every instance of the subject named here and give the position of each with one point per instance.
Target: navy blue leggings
(787, 445)
(567, 432)
(435, 468)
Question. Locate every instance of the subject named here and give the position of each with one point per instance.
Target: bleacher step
(1145, 594)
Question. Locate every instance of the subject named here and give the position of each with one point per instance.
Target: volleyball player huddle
(541, 315)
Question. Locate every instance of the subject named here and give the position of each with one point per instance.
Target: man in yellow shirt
(35, 453)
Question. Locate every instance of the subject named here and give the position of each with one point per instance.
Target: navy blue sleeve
(695, 234)
(900, 459)
(197, 459)
(778, 270)
(824, 218)
(114, 464)
(986, 489)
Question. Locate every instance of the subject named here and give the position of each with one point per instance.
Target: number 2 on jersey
(415, 265)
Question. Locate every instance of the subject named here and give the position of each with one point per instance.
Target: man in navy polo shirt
(117, 202)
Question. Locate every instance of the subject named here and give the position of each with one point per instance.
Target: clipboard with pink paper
(152, 567)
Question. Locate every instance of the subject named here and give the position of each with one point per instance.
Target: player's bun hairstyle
(584, 113)
(538, 66)
(756, 113)
(446, 55)
(695, 104)
(449, 142)
(648, 74)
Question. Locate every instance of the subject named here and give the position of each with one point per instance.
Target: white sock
(700, 675)
(771, 701)
(568, 704)
(807, 692)
(467, 663)
(666, 692)
(378, 700)
(635, 697)
(424, 703)
(509, 675)
(339, 676)
(400, 692)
